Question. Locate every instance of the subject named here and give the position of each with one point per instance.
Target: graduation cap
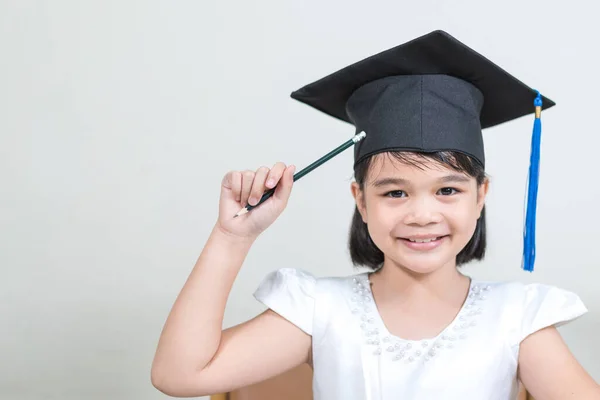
(431, 94)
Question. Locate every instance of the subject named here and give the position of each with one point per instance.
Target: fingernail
(270, 183)
(252, 201)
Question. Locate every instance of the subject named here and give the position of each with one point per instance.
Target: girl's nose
(422, 213)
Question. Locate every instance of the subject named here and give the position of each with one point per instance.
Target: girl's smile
(423, 242)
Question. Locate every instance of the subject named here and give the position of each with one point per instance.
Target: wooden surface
(295, 384)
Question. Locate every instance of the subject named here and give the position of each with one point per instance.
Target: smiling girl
(413, 326)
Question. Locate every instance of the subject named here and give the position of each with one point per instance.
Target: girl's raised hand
(239, 188)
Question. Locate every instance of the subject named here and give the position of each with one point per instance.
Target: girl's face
(420, 216)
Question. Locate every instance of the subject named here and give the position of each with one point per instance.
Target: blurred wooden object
(295, 384)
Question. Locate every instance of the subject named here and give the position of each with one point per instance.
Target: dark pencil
(306, 170)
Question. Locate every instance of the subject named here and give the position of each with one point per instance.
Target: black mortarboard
(430, 94)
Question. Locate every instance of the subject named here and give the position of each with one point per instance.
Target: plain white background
(118, 120)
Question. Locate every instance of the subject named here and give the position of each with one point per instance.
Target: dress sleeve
(545, 306)
(290, 293)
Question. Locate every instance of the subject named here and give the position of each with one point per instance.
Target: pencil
(357, 138)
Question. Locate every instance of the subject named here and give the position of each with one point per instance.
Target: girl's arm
(194, 356)
(549, 371)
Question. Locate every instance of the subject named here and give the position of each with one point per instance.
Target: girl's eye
(396, 193)
(448, 191)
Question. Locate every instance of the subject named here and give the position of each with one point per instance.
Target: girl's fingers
(284, 188)
(236, 185)
(247, 179)
(232, 183)
(247, 187)
(258, 185)
(275, 175)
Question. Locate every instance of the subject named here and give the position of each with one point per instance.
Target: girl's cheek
(466, 218)
(387, 217)
(457, 213)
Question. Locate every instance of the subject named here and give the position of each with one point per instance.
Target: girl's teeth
(423, 240)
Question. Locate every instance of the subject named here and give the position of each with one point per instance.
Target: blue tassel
(532, 189)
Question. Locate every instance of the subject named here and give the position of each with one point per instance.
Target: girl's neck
(396, 283)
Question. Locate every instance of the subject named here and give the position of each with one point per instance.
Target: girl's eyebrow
(390, 181)
(453, 178)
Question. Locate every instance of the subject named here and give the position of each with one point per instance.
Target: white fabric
(290, 293)
(356, 358)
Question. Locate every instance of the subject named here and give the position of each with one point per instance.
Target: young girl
(414, 327)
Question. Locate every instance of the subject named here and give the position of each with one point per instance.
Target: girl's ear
(482, 192)
(359, 199)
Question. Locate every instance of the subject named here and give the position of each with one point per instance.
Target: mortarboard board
(430, 94)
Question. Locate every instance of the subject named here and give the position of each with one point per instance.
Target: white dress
(356, 358)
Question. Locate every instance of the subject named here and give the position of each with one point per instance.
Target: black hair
(364, 252)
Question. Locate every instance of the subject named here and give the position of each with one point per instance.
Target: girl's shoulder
(309, 279)
(293, 294)
(525, 294)
(528, 307)
(297, 282)
(298, 291)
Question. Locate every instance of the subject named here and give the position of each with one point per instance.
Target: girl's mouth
(423, 243)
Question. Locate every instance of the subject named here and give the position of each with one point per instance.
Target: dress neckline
(386, 332)
(378, 337)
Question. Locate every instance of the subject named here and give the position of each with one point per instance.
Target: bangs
(455, 161)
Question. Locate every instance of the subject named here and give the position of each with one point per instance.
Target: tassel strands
(532, 189)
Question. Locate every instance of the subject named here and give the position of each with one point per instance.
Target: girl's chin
(421, 268)
(424, 263)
